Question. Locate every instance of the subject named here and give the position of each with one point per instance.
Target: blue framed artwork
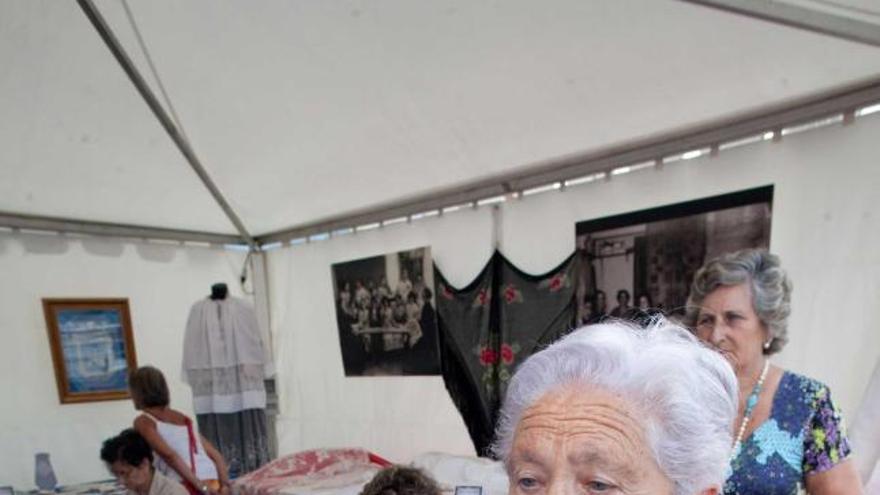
(92, 348)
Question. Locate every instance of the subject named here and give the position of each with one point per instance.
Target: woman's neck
(145, 490)
(155, 410)
(748, 376)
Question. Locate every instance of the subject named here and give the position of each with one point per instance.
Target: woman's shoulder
(142, 421)
(170, 416)
(806, 384)
(825, 440)
(812, 392)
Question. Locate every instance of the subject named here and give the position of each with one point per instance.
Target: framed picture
(385, 314)
(92, 348)
(637, 264)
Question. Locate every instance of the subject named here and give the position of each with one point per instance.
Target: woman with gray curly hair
(788, 433)
(617, 409)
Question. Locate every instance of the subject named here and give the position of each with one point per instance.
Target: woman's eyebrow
(527, 457)
(602, 460)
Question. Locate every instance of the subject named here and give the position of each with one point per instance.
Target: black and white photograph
(636, 265)
(386, 314)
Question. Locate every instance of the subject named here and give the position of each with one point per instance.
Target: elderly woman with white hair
(617, 409)
(788, 433)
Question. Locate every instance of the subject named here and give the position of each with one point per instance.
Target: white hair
(686, 393)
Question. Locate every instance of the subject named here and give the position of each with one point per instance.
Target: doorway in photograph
(638, 264)
(386, 316)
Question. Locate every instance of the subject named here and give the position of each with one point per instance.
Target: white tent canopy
(307, 110)
(314, 114)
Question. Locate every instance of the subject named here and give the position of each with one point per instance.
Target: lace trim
(226, 381)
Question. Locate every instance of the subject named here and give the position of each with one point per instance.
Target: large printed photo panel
(386, 314)
(636, 265)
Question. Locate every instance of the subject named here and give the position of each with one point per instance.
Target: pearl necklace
(750, 407)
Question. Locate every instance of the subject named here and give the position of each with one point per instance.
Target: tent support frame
(842, 100)
(800, 17)
(17, 221)
(143, 88)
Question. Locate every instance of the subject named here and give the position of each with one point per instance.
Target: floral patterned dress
(804, 434)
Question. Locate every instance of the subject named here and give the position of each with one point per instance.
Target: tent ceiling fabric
(77, 141)
(302, 110)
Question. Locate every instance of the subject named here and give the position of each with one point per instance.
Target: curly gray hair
(770, 286)
(686, 392)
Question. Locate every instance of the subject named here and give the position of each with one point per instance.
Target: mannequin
(225, 364)
(219, 291)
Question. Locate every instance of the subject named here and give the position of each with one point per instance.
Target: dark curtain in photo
(493, 324)
(675, 250)
(640, 270)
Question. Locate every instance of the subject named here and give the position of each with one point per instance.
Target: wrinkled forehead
(565, 399)
(587, 421)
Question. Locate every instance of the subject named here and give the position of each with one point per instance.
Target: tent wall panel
(161, 282)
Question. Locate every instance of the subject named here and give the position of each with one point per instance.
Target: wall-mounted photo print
(386, 314)
(92, 348)
(637, 264)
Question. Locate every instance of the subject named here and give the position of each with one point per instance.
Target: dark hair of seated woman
(401, 480)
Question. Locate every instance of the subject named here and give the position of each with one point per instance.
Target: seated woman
(130, 459)
(184, 455)
(401, 480)
(615, 409)
(789, 434)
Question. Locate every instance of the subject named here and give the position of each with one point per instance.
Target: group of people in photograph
(384, 318)
(594, 307)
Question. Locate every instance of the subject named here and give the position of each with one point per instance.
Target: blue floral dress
(804, 434)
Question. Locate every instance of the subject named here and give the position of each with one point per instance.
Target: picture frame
(92, 348)
(639, 264)
(386, 315)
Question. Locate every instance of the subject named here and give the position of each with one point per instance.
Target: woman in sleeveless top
(182, 454)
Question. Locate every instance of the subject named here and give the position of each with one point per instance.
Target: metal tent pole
(800, 17)
(182, 144)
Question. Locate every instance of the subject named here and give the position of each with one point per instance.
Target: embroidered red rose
(487, 356)
(509, 294)
(446, 292)
(556, 282)
(483, 298)
(506, 353)
(512, 294)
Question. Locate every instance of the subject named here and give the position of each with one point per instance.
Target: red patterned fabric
(310, 468)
